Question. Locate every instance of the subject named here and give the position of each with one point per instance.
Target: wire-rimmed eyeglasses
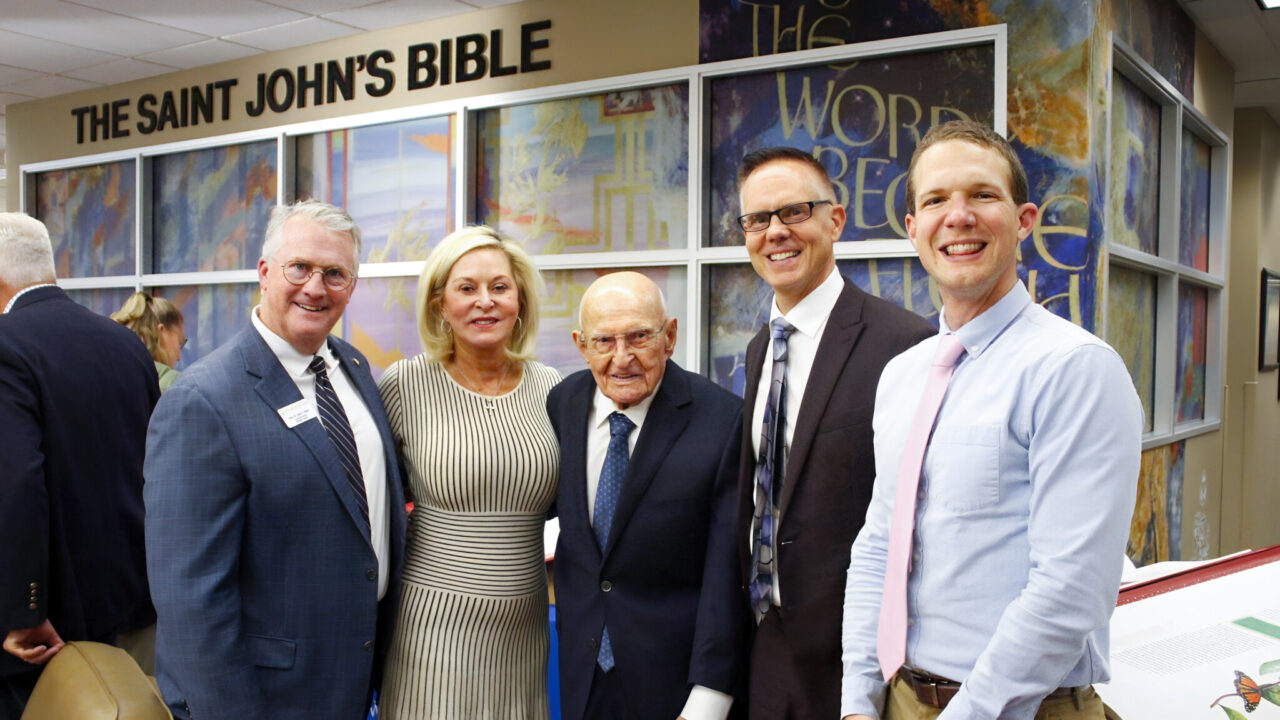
(335, 278)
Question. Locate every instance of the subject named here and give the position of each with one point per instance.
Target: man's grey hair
(329, 216)
(26, 255)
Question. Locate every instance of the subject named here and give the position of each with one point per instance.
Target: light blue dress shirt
(1021, 518)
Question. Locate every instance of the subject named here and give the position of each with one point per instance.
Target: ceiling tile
(119, 71)
(10, 75)
(294, 34)
(391, 13)
(320, 7)
(46, 55)
(489, 3)
(90, 28)
(199, 54)
(48, 86)
(223, 17)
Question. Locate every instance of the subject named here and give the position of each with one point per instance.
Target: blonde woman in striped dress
(470, 416)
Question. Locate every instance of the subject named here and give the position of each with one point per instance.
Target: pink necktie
(891, 638)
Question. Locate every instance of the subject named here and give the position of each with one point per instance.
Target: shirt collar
(981, 331)
(294, 362)
(810, 313)
(602, 407)
(9, 306)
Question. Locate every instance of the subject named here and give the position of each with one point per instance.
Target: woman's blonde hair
(144, 313)
(436, 335)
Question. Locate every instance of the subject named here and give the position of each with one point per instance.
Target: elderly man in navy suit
(76, 390)
(648, 611)
(275, 516)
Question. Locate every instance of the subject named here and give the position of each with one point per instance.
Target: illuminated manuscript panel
(1193, 315)
(89, 212)
(1133, 191)
(601, 173)
(210, 207)
(1193, 246)
(740, 306)
(396, 181)
(1131, 330)
(862, 120)
(103, 301)
(211, 314)
(382, 322)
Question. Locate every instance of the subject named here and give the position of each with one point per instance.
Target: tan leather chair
(93, 681)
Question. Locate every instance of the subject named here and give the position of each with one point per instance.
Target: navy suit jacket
(76, 390)
(826, 486)
(262, 573)
(672, 605)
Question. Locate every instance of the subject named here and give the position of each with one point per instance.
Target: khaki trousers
(904, 705)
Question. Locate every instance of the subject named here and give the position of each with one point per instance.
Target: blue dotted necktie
(607, 491)
(334, 419)
(769, 473)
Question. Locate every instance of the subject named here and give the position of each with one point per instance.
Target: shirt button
(368, 646)
(920, 494)
(915, 558)
(911, 621)
(606, 586)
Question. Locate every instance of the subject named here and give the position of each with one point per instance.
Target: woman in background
(159, 323)
(470, 417)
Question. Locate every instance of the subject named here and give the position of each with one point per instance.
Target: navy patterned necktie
(334, 419)
(769, 473)
(607, 492)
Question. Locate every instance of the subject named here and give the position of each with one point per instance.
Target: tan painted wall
(1252, 454)
(588, 40)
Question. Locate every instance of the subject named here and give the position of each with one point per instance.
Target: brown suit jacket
(825, 493)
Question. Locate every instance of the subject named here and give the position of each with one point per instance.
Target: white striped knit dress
(472, 636)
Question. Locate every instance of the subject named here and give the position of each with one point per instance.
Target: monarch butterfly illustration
(1247, 689)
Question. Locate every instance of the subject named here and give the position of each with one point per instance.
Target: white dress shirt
(809, 317)
(368, 440)
(703, 703)
(1022, 514)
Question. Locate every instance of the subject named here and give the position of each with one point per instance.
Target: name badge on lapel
(295, 413)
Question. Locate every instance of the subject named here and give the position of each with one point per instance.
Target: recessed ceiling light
(1269, 4)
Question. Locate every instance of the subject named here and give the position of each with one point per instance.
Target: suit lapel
(278, 390)
(662, 426)
(573, 464)
(838, 340)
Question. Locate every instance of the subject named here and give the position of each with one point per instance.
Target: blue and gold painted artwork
(395, 180)
(1131, 330)
(211, 207)
(1193, 224)
(1193, 314)
(211, 314)
(90, 214)
(600, 173)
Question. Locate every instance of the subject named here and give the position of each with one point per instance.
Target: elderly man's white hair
(26, 255)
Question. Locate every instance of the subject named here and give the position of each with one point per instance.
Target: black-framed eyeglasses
(639, 339)
(183, 343)
(335, 278)
(788, 214)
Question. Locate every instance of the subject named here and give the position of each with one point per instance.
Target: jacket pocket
(271, 652)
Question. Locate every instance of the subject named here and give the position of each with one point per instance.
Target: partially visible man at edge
(76, 391)
(825, 346)
(1016, 531)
